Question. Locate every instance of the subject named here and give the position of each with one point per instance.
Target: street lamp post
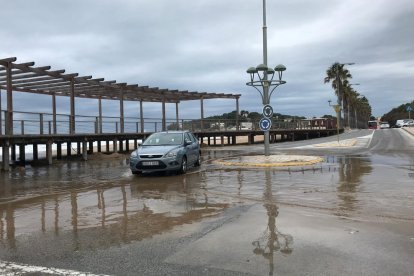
(337, 108)
(262, 77)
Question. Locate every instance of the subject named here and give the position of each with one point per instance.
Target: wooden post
(202, 114)
(84, 151)
(90, 147)
(100, 115)
(35, 152)
(99, 146)
(237, 113)
(54, 113)
(6, 155)
(107, 146)
(68, 149)
(164, 123)
(96, 125)
(121, 146)
(49, 152)
(59, 150)
(13, 153)
(22, 153)
(141, 114)
(176, 116)
(9, 117)
(121, 110)
(72, 107)
(41, 123)
(115, 146)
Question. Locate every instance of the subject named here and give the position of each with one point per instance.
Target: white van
(404, 123)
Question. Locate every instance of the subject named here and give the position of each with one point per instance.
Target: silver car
(166, 151)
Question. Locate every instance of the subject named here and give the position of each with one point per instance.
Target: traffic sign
(267, 111)
(265, 124)
(409, 108)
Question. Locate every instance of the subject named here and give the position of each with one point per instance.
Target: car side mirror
(187, 142)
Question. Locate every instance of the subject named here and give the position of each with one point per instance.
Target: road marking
(10, 268)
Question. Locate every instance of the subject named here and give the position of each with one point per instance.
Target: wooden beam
(5, 61)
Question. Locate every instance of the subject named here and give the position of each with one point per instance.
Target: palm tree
(338, 75)
(364, 111)
(353, 103)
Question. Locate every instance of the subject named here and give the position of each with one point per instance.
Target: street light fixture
(337, 108)
(259, 77)
(264, 77)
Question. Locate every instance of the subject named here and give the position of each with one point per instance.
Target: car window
(193, 137)
(188, 137)
(164, 139)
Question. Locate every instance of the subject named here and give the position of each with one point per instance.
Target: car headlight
(134, 153)
(172, 153)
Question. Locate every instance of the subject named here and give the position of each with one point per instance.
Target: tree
(338, 75)
(397, 113)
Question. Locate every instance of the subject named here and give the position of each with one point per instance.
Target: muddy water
(98, 204)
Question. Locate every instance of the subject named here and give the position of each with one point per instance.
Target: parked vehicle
(166, 151)
(384, 125)
(404, 123)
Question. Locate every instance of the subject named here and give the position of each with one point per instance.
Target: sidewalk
(409, 130)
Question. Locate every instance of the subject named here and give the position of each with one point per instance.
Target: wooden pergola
(24, 77)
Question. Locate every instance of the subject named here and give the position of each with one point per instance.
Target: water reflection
(350, 173)
(111, 214)
(272, 240)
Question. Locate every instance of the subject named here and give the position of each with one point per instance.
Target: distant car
(166, 151)
(404, 123)
(384, 125)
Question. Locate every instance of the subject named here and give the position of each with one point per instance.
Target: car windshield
(164, 139)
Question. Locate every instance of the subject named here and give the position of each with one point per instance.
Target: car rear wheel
(183, 168)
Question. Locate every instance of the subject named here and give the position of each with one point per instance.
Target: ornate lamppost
(263, 77)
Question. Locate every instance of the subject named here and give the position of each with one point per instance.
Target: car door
(191, 148)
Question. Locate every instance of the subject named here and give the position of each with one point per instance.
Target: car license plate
(150, 163)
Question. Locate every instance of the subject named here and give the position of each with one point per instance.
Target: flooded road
(350, 214)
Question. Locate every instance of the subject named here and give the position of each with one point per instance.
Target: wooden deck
(117, 142)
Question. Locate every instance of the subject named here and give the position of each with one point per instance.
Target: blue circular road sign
(265, 124)
(267, 111)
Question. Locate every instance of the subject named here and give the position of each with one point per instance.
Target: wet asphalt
(351, 214)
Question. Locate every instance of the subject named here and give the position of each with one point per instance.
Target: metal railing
(45, 123)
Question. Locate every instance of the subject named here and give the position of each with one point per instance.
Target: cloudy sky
(207, 45)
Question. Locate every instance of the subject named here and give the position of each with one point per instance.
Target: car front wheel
(183, 168)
